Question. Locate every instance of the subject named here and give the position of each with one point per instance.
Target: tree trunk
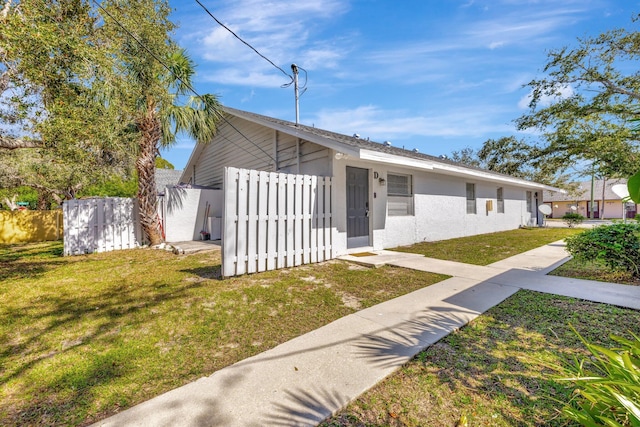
(43, 201)
(145, 165)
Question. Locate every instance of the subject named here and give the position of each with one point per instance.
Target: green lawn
(485, 249)
(593, 271)
(84, 337)
(494, 371)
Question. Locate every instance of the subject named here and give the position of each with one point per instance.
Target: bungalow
(383, 196)
(606, 203)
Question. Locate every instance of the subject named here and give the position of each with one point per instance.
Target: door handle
(366, 213)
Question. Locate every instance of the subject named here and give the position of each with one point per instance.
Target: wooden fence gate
(100, 225)
(274, 220)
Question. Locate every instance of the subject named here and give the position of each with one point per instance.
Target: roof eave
(188, 169)
(451, 170)
(392, 159)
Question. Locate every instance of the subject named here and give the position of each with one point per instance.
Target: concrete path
(301, 382)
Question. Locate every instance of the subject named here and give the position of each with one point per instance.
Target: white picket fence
(274, 220)
(100, 225)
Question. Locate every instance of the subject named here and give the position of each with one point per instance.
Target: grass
(494, 371)
(84, 337)
(485, 249)
(593, 271)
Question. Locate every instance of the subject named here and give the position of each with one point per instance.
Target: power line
(186, 84)
(246, 43)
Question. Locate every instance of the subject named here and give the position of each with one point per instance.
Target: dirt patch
(350, 301)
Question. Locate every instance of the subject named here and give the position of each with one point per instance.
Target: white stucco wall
(185, 209)
(439, 207)
(614, 209)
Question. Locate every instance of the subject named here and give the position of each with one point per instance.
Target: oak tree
(585, 105)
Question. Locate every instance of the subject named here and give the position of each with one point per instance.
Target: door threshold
(359, 249)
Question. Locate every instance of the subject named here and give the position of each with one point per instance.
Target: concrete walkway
(301, 382)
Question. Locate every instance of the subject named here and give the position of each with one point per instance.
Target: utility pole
(593, 172)
(294, 68)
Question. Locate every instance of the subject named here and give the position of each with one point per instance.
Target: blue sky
(436, 75)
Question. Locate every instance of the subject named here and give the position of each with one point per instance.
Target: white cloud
(321, 58)
(266, 78)
(285, 32)
(380, 125)
(263, 16)
(562, 92)
(525, 25)
(248, 97)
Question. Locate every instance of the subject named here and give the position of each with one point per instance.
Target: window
(529, 196)
(471, 198)
(500, 199)
(399, 195)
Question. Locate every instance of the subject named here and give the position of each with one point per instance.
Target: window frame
(500, 200)
(404, 197)
(472, 204)
(529, 197)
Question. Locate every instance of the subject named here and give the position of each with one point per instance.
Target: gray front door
(357, 207)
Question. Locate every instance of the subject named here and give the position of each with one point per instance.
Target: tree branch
(620, 90)
(54, 193)
(5, 77)
(5, 10)
(9, 143)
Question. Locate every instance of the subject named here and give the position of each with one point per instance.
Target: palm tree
(158, 120)
(153, 79)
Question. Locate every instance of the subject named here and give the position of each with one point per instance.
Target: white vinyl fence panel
(100, 225)
(274, 220)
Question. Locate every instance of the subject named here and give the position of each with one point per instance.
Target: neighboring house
(383, 196)
(607, 205)
(166, 178)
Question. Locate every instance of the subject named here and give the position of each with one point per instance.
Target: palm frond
(182, 70)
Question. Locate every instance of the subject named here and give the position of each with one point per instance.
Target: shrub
(607, 385)
(616, 246)
(572, 218)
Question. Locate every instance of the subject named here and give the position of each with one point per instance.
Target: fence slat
(328, 221)
(272, 229)
(290, 215)
(241, 225)
(101, 227)
(282, 221)
(306, 219)
(298, 219)
(229, 222)
(263, 214)
(252, 221)
(313, 221)
(320, 220)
